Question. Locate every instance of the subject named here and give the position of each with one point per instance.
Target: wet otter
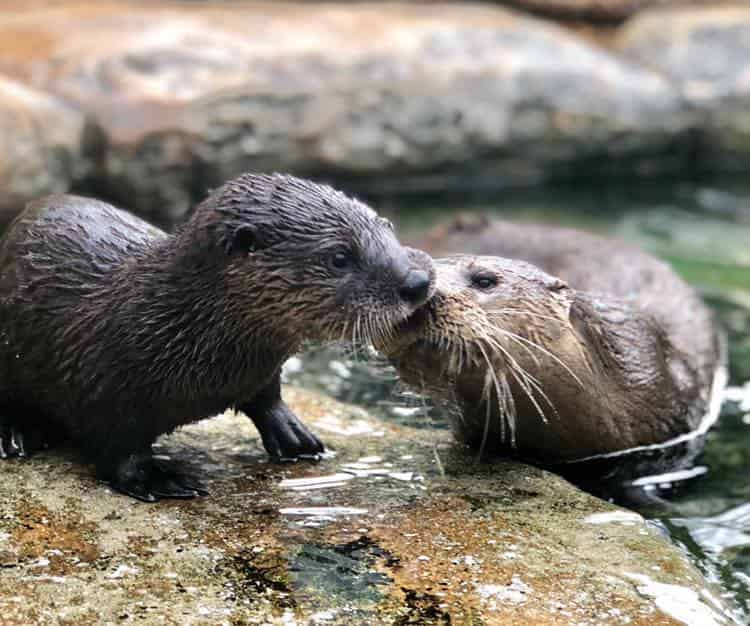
(596, 348)
(115, 332)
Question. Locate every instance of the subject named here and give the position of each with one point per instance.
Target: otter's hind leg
(284, 436)
(146, 478)
(124, 459)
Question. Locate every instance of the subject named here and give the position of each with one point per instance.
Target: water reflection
(722, 532)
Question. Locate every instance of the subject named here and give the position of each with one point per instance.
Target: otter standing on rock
(596, 349)
(113, 332)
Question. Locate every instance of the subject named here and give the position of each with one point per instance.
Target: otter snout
(416, 273)
(416, 287)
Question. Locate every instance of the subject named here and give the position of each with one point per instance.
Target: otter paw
(12, 442)
(286, 438)
(147, 479)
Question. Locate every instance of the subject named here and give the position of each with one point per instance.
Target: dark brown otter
(596, 348)
(115, 332)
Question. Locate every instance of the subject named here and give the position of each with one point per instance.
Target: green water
(703, 230)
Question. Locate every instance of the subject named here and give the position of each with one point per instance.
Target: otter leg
(12, 441)
(284, 435)
(145, 478)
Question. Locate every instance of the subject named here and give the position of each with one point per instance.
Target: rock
(400, 526)
(384, 96)
(40, 146)
(594, 10)
(706, 53)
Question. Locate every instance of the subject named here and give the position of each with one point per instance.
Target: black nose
(416, 286)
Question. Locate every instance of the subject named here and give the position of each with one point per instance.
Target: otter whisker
(530, 344)
(526, 381)
(356, 330)
(491, 376)
(527, 313)
(455, 358)
(364, 338)
(527, 376)
(487, 414)
(509, 405)
(536, 386)
(368, 331)
(344, 332)
(505, 415)
(524, 384)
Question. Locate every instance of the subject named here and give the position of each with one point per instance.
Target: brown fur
(612, 352)
(115, 332)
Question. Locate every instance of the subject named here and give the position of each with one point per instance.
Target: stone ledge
(380, 532)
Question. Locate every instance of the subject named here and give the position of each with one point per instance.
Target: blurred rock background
(624, 116)
(150, 104)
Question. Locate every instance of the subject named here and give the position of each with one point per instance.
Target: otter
(562, 346)
(113, 332)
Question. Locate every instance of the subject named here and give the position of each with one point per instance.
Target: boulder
(399, 526)
(706, 54)
(384, 96)
(41, 146)
(598, 11)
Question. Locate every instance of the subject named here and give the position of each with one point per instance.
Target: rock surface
(41, 143)
(706, 53)
(595, 10)
(150, 104)
(390, 95)
(405, 529)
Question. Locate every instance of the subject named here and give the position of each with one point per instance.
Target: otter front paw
(285, 437)
(145, 478)
(12, 442)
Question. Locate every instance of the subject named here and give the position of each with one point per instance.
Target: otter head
(534, 365)
(308, 262)
(486, 341)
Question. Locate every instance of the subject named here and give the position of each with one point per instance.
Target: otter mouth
(414, 322)
(407, 332)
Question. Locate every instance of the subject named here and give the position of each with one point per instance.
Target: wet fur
(116, 332)
(611, 352)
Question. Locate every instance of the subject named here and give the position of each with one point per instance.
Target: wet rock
(399, 526)
(706, 53)
(40, 146)
(387, 96)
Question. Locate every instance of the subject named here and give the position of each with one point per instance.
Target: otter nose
(415, 287)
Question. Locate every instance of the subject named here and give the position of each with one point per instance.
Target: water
(703, 230)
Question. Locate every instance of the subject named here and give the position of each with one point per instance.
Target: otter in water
(115, 332)
(596, 348)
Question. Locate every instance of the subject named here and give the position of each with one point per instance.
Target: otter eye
(341, 260)
(243, 240)
(484, 280)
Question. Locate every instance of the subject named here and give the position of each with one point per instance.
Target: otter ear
(243, 240)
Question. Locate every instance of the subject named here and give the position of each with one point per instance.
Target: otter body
(595, 349)
(113, 332)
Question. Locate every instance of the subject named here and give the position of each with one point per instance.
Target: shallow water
(704, 231)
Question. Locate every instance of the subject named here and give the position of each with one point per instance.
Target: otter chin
(113, 332)
(542, 368)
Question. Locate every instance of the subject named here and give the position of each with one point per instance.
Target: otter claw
(143, 478)
(170, 483)
(279, 458)
(18, 441)
(287, 439)
(312, 457)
